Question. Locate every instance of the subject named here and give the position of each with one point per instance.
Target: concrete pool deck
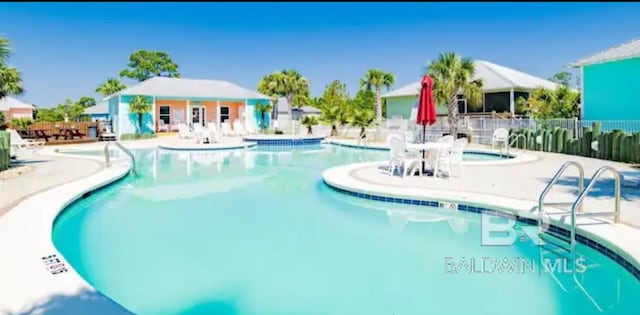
(25, 231)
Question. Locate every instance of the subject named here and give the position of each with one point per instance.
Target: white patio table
(426, 147)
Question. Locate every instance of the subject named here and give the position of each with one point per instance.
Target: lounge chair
(399, 158)
(184, 132)
(238, 127)
(162, 126)
(226, 129)
(500, 136)
(19, 143)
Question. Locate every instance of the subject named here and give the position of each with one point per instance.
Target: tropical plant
(333, 105)
(289, 84)
(147, 64)
(86, 101)
(309, 122)
(562, 102)
(111, 86)
(362, 118)
(139, 105)
(452, 75)
(263, 108)
(10, 78)
(562, 78)
(2, 121)
(377, 79)
(70, 110)
(21, 123)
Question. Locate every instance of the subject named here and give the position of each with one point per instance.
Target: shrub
(137, 136)
(279, 132)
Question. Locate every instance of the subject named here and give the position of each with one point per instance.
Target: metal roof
(7, 103)
(98, 109)
(196, 88)
(630, 49)
(494, 78)
(283, 107)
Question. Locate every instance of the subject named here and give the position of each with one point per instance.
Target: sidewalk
(46, 172)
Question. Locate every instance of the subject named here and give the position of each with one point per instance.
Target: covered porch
(170, 113)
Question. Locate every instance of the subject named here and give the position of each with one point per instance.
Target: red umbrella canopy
(426, 103)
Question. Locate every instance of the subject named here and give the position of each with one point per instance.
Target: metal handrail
(577, 204)
(553, 182)
(125, 150)
(515, 138)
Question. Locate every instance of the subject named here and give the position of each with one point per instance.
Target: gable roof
(494, 78)
(629, 49)
(7, 103)
(197, 88)
(283, 107)
(98, 109)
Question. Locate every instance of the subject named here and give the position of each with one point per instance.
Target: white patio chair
(162, 126)
(184, 132)
(18, 142)
(214, 133)
(226, 129)
(400, 158)
(239, 129)
(500, 136)
(441, 160)
(456, 153)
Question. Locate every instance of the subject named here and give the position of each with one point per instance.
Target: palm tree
(334, 116)
(309, 122)
(452, 75)
(111, 86)
(139, 105)
(289, 84)
(10, 78)
(378, 79)
(10, 82)
(362, 118)
(263, 108)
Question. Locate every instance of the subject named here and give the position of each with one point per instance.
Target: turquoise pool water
(257, 232)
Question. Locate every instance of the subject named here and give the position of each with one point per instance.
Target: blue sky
(66, 50)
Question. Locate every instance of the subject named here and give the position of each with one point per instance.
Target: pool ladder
(576, 206)
(125, 150)
(515, 139)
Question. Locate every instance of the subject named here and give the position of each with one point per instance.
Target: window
(498, 101)
(462, 104)
(224, 113)
(165, 114)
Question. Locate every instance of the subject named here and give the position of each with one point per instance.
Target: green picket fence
(615, 145)
(5, 157)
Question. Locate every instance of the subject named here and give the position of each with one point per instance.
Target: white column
(153, 114)
(246, 116)
(218, 114)
(188, 113)
(512, 103)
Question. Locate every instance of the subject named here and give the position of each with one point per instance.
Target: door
(198, 115)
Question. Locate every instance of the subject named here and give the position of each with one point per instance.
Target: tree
(563, 78)
(377, 79)
(111, 86)
(289, 84)
(86, 102)
(139, 105)
(452, 75)
(362, 118)
(69, 110)
(147, 64)
(263, 108)
(333, 105)
(10, 78)
(309, 122)
(562, 102)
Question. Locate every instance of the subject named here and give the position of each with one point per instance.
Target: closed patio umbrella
(426, 109)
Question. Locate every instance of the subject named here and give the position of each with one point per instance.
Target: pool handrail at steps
(551, 183)
(125, 150)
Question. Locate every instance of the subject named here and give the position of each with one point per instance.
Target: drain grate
(54, 265)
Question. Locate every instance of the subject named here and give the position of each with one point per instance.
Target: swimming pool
(257, 232)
